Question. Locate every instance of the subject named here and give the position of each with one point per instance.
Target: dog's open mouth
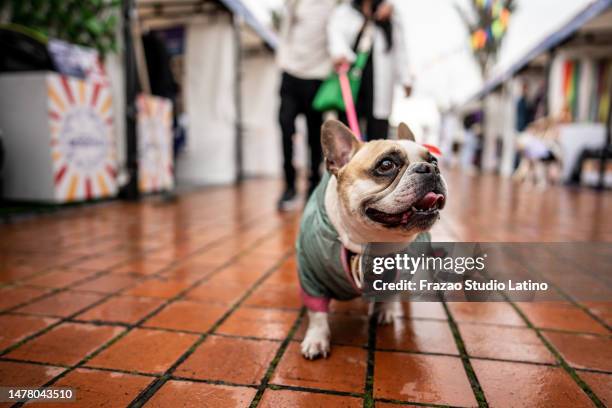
(429, 205)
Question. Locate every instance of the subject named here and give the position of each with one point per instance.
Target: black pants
(296, 98)
(586, 154)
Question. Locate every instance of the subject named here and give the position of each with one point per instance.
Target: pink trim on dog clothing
(316, 304)
(321, 304)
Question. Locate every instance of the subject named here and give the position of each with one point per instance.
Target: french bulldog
(379, 191)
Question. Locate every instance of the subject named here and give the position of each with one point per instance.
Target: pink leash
(347, 97)
(351, 113)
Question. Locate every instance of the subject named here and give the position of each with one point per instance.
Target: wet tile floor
(193, 302)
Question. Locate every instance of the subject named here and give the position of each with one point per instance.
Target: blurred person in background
(303, 58)
(469, 148)
(524, 109)
(387, 64)
(524, 116)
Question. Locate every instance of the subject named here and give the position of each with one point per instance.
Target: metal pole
(130, 190)
(606, 146)
(238, 98)
(547, 71)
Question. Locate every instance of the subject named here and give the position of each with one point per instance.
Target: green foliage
(91, 23)
(487, 22)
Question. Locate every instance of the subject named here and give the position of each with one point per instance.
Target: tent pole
(547, 70)
(606, 146)
(140, 57)
(130, 191)
(238, 98)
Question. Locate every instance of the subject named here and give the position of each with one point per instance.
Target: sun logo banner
(82, 139)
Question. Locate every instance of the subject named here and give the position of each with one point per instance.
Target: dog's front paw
(315, 344)
(387, 312)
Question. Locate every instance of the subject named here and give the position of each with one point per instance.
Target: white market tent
(589, 29)
(592, 24)
(227, 59)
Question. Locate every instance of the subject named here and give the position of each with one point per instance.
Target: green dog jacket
(322, 259)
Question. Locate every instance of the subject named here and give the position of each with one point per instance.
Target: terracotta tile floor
(194, 302)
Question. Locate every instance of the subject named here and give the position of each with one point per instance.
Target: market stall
(58, 130)
(572, 63)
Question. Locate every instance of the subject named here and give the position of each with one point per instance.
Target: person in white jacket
(387, 65)
(303, 58)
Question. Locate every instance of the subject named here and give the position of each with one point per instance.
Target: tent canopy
(592, 22)
(169, 12)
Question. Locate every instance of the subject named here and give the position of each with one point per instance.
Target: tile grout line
(71, 318)
(68, 367)
(118, 292)
(114, 339)
(264, 384)
(104, 298)
(95, 275)
(52, 291)
(467, 323)
(572, 261)
(57, 267)
(569, 369)
(180, 295)
(211, 330)
(418, 404)
(386, 350)
(151, 314)
(211, 382)
(221, 382)
(572, 373)
(61, 320)
(70, 265)
(150, 390)
(571, 299)
(566, 367)
(288, 340)
(368, 400)
(236, 336)
(465, 359)
(57, 210)
(277, 387)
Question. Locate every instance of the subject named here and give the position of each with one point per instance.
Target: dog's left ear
(339, 145)
(404, 132)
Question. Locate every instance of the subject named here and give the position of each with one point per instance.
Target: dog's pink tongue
(430, 200)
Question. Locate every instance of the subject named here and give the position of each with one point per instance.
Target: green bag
(329, 95)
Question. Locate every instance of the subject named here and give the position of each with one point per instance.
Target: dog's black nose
(425, 168)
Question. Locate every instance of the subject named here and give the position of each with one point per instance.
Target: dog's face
(390, 189)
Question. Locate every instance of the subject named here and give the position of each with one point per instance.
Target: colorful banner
(578, 77)
(82, 139)
(155, 164)
(603, 90)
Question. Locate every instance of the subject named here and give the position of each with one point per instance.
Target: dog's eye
(385, 167)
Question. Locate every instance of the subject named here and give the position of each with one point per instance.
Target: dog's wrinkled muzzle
(418, 196)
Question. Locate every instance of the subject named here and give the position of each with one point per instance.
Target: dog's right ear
(339, 145)
(404, 132)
